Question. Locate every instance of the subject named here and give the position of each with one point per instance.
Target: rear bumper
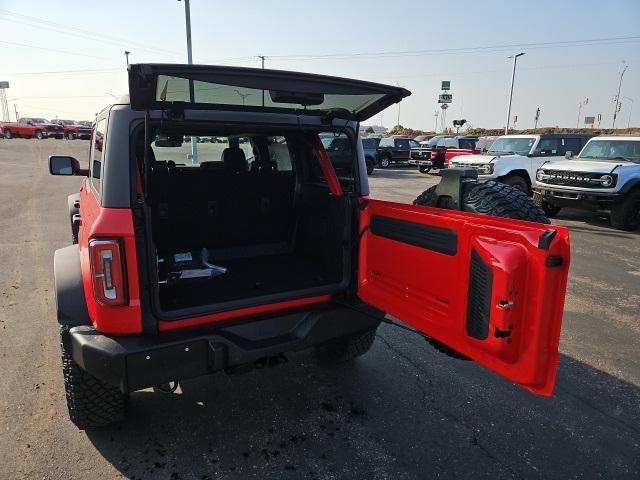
(136, 362)
(586, 200)
(415, 161)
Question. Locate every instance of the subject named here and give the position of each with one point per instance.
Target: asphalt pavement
(403, 411)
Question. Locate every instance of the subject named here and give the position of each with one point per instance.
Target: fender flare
(71, 306)
(630, 185)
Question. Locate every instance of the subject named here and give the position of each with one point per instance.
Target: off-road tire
(518, 182)
(91, 402)
(424, 169)
(548, 209)
(7, 134)
(385, 161)
(70, 136)
(489, 198)
(349, 348)
(626, 214)
(39, 135)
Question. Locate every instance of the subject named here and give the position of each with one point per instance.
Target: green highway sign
(446, 85)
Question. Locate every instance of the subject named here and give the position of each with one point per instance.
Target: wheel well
(520, 173)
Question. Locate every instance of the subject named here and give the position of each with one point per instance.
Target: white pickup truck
(514, 159)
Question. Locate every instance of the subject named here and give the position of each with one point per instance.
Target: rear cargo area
(245, 230)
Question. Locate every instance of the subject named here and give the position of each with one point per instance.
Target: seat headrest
(234, 160)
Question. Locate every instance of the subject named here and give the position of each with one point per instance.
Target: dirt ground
(403, 411)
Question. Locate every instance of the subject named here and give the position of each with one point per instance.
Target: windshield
(414, 144)
(39, 120)
(67, 122)
(511, 145)
(612, 150)
(433, 142)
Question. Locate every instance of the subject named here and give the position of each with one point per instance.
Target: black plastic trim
(544, 242)
(71, 306)
(438, 239)
(479, 297)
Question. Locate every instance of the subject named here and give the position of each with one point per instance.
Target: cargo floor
(246, 278)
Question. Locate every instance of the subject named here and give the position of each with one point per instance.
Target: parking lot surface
(402, 411)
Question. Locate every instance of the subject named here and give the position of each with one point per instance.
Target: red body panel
(429, 290)
(454, 152)
(19, 129)
(97, 222)
(242, 312)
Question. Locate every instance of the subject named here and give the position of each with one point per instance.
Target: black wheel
(369, 163)
(384, 162)
(517, 181)
(7, 134)
(626, 214)
(490, 198)
(91, 402)
(70, 136)
(548, 209)
(39, 135)
(350, 347)
(424, 168)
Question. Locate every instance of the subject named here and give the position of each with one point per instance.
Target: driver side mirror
(65, 165)
(568, 154)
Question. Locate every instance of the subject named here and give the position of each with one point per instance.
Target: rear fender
(71, 306)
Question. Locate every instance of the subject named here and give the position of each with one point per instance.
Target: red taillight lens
(107, 272)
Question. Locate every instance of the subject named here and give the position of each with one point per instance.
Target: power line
(67, 72)
(66, 52)
(462, 50)
(70, 30)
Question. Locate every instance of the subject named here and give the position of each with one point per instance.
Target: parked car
(442, 149)
(396, 150)
(28, 127)
(605, 176)
(73, 129)
(370, 150)
(179, 270)
(423, 138)
(514, 159)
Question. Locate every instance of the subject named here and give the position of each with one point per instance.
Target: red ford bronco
(262, 242)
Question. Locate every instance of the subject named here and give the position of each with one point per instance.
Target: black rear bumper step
(137, 362)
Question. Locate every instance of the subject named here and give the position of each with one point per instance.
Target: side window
(279, 153)
(549, 146)
(571, 145)
(97, 153)
(386, 142)
(402, 143)
(467, 143)
(450, 143)
(23, 120)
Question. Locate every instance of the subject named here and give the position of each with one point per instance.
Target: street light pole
(513, 76)
(580, 105)
(126, 54)
(630, 110)
(262, 57)
(187, 14)
(435, 114)
(615, 111)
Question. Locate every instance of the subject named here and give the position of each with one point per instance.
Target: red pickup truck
(73, 129)
(31, 127)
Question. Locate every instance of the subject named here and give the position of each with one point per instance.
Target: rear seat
(221, 204)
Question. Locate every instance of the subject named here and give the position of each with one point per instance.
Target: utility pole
(436, 113)
(262, 57)
(15, 109)
(398, 83)
(580, 105)
(537, 117)
(187, 14)
(623, 66)
(126, 54)
(630, 109)
(513, 76)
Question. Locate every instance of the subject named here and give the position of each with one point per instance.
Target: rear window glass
(176, 89)
(369, 142)
(210, 149)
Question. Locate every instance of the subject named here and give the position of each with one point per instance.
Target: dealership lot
(401, 411)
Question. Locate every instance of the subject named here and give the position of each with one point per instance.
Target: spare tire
(490, 198)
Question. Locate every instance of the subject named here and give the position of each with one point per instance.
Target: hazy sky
(86, 40)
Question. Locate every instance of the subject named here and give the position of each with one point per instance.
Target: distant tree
(369, 130)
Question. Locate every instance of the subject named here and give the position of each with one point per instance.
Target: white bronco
(514, 159)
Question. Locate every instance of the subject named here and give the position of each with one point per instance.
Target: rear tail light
(107, 272)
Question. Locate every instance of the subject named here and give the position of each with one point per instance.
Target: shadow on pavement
(401, 411)
(595, 219)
